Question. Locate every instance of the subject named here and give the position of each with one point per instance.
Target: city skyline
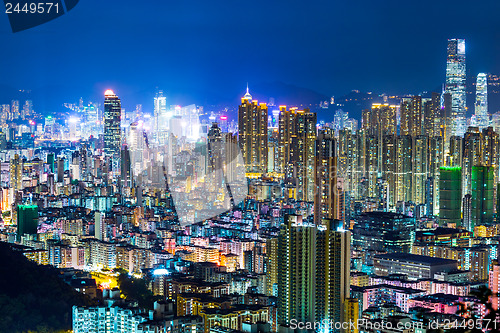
(250, 167)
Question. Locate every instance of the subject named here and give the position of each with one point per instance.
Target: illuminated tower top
(247, 95)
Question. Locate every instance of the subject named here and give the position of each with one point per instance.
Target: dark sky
(202, 48)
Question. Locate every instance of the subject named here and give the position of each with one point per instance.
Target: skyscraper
(301, 158)
(482, 196)
(296, 270)
(455, 84)
(160, 122)
(215, 155)
(112, 121)
(333, 261)
(481, 106)
(419, 168)
(450, 195)
(326, 194)
(16, 173)
(252, 132)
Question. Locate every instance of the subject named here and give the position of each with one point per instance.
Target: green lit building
(450, 195)
(27, 220)
(482, 185)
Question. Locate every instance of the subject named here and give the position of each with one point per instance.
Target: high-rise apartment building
(296, 270)
(326, 195)
(333, 261)
(252, 132)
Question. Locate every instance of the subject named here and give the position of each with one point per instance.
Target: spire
(247, 95)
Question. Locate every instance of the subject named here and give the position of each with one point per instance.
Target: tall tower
(326, 195)
(215, 155)
(252, 132)
(333, 261)
(160, 111)
(301, 158)
(296, 270)
(16, 173)
(455, 84)
(481, 106)
(419, 168)
(112, 121)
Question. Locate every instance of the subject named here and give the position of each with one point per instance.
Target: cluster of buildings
(273, 223)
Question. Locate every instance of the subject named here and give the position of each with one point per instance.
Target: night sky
(213, 48)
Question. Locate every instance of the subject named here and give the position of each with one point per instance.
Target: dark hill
(32, 297)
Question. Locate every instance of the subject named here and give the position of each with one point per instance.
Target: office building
(455, 84)
(384, 232)
(112, 122)
(412, 265)
(481, 105)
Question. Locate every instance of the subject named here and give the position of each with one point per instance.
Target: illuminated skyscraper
(436, 155)
(489, 149)
(296, 143)
(333, 261)
(380, 119)
(482, 196)
(16, 173)
(272, 266)
(302, 158)
(419, 168)
(252, 132)
(296, 270)
(431, 114)
(14, 110)
(285, 133)
(349, 159)
(403, 168)
(161, 123)
(215, 155)
(450, 195)
(455, 84)
(471, 156)
(112, 121)
(372, 164)
(326, 195)
(412, 117)
(481, 106)
(389, 167)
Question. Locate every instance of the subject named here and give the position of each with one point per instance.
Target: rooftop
(415, 258)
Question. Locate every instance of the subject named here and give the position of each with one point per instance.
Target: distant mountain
(286, 94)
